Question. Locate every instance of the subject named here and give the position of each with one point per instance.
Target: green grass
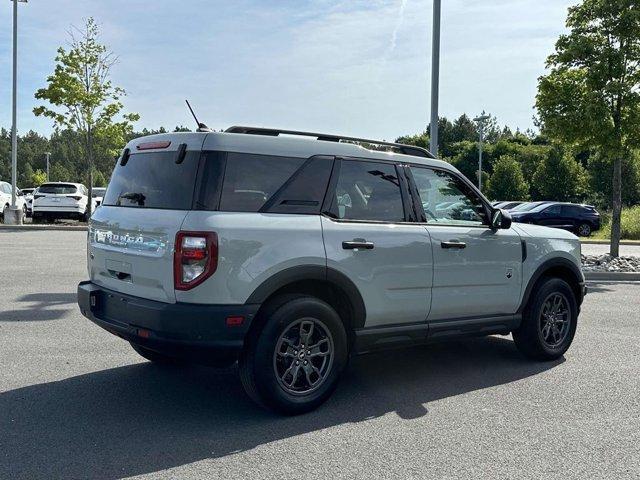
(630, 224)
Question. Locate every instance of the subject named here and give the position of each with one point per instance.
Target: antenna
(201, 126)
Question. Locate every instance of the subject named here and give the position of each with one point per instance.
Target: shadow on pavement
(142, 418)
(42, 306)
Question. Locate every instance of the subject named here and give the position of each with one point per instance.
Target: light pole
(480, 121)
(435, 77)
(47, 155)
(14, 216)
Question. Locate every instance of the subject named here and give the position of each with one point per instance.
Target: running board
(393, 336)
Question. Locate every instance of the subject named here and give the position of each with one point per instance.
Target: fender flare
(544, 268)
(312, 272)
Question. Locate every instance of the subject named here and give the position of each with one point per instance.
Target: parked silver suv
(289, 251)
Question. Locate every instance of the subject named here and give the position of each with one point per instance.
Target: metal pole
(14, 127)
(435, 76)
(480, 157)
(480, 122)
(48, 155)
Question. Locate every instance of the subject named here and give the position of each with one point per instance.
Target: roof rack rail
(274, 132)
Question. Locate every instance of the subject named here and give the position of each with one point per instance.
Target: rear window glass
(153, 180)
(250, 180)
(57, 189)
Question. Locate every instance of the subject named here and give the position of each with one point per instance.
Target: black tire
(155, 357)
(261, 366)
(583, 230)
(530, 336)
(5, 209)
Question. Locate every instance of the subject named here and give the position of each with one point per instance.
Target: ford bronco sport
(288, 251)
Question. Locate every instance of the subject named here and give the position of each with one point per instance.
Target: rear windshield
(153, 180)
(60, 189)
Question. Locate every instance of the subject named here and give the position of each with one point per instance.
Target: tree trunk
(90, 176)
(617, 207)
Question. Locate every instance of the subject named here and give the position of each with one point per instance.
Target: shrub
(630, 224)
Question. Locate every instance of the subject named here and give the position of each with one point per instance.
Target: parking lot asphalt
(77, 402)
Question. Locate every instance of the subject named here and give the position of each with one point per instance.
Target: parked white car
(5, 200)
(28, 199)
(54, 200)
(97, 193)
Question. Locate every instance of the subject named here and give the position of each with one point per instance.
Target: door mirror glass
(500, 219)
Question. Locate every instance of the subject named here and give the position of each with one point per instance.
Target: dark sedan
(580, 219)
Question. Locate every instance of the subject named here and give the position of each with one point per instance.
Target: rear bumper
(193, 331)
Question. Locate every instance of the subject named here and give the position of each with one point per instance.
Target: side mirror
(500, 219)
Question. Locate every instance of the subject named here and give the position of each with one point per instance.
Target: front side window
(368, 191)
(448, 200)
(552, 210)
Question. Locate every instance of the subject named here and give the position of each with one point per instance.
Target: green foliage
(591, 96)
(630, 224)
(37, 178)
(83, 99)
(60, 173)
(559, 177)
(507, 181)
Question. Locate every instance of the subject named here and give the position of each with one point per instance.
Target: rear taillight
(77, 198)
(37, 196)
(195, 258)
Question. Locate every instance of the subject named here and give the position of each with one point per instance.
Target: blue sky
(352, 67)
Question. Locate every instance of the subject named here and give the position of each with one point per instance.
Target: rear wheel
(154, 356)
(584, 230)
(293, 362)
(549, 321)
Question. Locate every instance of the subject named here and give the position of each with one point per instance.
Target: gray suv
(289, 251)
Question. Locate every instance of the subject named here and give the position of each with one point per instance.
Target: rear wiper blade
(133, 196)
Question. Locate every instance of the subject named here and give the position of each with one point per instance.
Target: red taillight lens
(195, 258)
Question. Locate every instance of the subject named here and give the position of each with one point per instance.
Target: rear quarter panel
(252, 247)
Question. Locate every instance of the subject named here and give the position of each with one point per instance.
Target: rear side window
(573, 211)
(59, 189)
(153, 180)
(368, 191)
(251, 180)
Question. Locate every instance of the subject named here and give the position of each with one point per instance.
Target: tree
(559, 177)
(507, 181)
(87, 102)
(591, 96)
(37, 178)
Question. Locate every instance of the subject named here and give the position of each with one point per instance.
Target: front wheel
(549, 321)
(293, 362)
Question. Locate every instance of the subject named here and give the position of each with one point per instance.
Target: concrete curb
(613, 276)
(607, 242)
(33, 228)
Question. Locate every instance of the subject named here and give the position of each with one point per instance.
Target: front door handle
(357, 244)
(453, 244)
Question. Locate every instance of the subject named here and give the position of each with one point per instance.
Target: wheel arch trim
(545, 267)
(292, 275)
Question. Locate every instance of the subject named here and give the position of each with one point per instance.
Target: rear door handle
(357, 244)
(452, 244)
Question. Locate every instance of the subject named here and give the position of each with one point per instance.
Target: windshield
(57, 188)
(153, 180)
